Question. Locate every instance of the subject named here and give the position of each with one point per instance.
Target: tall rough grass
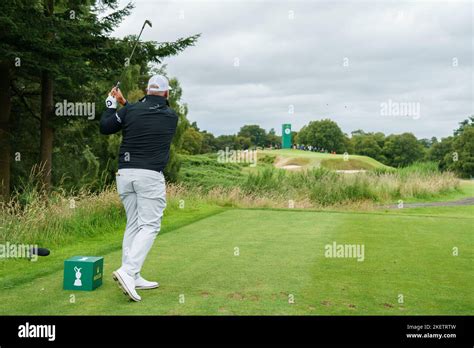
(58, 218)
(32, 216)
(325, 187)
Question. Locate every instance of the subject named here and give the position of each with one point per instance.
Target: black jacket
(148, 127)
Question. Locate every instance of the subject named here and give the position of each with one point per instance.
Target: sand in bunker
(285, 163)
(352, 171)
(291, 167)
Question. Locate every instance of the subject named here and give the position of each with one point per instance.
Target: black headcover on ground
(39, 251)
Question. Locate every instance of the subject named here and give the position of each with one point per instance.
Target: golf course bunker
(292, 164)
(353, 171)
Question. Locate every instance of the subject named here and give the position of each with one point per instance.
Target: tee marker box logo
(83, 273)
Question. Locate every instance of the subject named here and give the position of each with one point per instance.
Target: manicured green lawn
(280, 259)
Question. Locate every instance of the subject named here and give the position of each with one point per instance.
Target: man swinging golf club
(148, 127)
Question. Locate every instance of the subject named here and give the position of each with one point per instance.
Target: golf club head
(148, 22)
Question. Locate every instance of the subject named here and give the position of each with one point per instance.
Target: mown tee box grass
(83, 273)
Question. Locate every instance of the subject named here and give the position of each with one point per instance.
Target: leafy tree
(379, 138)
(209, 143)
(192, 141)
(456, 153)
(425, 142)
(462, 160)
(323, 134)
(233, 142)
(467, 123)
(369, 144)
(243, 143)
(357, 132)
(223, 141)
(366, 145)
(66, 53)
(402, 150)
(195, 126)
(348, 144)
(256, 134)
(439, 151)
(294, 137)
(272, 139)
(174, 164)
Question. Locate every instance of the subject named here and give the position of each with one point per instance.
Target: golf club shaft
(136, 43)
(117, 85)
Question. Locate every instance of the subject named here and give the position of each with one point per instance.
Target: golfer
(148, 127)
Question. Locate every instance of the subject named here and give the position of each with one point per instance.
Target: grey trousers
(143, 194)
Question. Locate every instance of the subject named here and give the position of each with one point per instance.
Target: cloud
(338, 60)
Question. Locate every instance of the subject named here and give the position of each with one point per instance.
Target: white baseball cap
(158, 83)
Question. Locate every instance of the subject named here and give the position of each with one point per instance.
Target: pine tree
(61, 50)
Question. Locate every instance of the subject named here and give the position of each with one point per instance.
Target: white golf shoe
(127, 284)
(143, 284)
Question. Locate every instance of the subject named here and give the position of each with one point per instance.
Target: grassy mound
(206, 172)
(350, 164)
(320, 186)
(309, 160)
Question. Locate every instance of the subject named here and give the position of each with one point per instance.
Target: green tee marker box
(83, 273)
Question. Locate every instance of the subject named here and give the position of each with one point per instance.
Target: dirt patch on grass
(254, 298)
(240, 297)
(222, 310)
(205, 294)
(236, 296)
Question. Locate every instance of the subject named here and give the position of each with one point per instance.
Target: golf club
(117, 85)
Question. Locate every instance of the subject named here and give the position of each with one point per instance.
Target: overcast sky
(257, 61)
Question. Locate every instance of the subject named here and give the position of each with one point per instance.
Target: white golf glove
(111, 102)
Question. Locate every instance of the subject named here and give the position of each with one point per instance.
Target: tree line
(58, 52)
(61, 52)
(455, 153)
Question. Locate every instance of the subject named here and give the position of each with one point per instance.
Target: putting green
(269, 262)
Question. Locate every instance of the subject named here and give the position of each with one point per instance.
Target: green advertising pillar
(286, 136)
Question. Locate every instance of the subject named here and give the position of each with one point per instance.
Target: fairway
(271, 262)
